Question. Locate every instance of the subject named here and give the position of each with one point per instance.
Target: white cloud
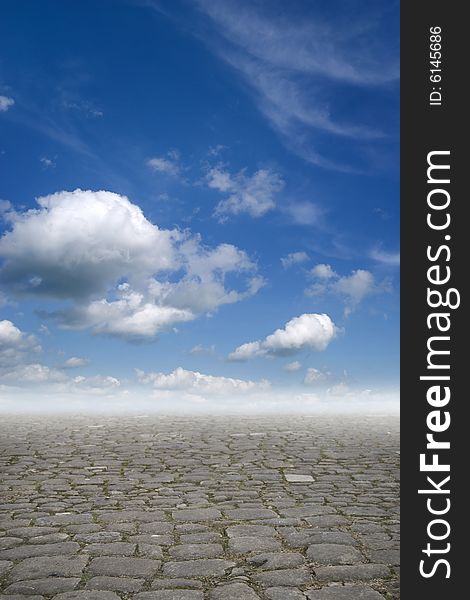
(79, 105)
(308, 331)
(18, 351)
(5, 103)
(303, 213)
(20, 369)
(294, 66)
(314, 376)
(352, 288)
(303, 45)
(355, 287)
(131, 315)
(200, 349)
(193, 381)
(294, 258)
(293, 366)
(110, 395)
(47, 162)
(253, 194)
(342, 390)
(79, 243)
(169, 165)
(97, 382)
(123, 275)
(386, 258)
(5, 207)
(247, 351)
(323, 271)
(33, 373)
(15, 345)
(75, 362)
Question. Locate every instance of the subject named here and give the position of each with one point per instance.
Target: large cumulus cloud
(120, 273)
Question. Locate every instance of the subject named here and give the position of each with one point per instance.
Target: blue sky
(200, 206)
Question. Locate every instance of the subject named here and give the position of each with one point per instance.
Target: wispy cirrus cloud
(294, 66)
(387, 258)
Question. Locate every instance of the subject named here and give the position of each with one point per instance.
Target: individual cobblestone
(201, 508)
(127, 567)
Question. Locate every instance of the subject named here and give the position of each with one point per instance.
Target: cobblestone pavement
(205, 508)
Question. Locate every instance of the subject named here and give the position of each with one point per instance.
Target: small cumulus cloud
(293, 366)
(75, 362)
(308, 331)
(251, 194)
(6, 103)
(47, 163)
(216, 150)
(200, 383)
(322, 271)
(97, 382)
(15, 345)
(294, 258)
(169, 165)
(353, 288)
(21, 370)
(18, 357)
(34, 373)
(201, 349)
(315, 376)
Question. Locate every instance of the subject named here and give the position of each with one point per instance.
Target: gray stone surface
(47, 586)
(284, 577)
(191, 551)
(211, 567)
(347, 592)
(48, 566)
(30, 550)
(334, 554)
(233, 591)
(352, 573)
(284, 593)
(20, 597)
(5, 566)
(298, 478)
(242, 545)
(199, 508)
(86, 595)
(128, 567)
(171, 595)
(125, 585)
